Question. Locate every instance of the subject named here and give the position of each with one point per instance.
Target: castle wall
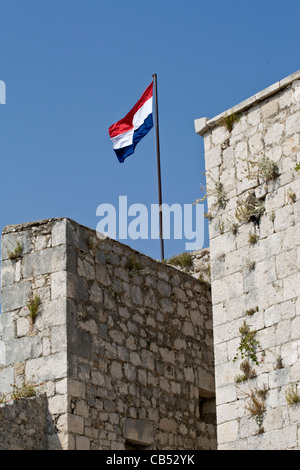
(254, 226)
(23, 424)
(121, 344)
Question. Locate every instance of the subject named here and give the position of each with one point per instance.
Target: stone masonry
(253, 193)
(121, 346)
(23, 424)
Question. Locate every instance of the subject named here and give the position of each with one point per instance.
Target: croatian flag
(126, 133)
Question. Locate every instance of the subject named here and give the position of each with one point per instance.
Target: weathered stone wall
(141, 350)
(23, 424)
(121, 345)
(254, 251)
(35, 353)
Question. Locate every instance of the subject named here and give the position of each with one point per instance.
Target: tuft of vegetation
(214, 188)
(249, 210)
(297, 167)
(262, 169)
(133, 265)
(221, 198)
(267, 169)
(229, 120)
(3, 398)
(253, 238)
(291, 395)
(279, 363)
(184, 260)
(248, 372)
(208, 215)
(33, 306)
(291, 196)
(249, 265)
(90, 241)
(13, 255)
(272, 216)
(203, 281)
(221, 227)
(234, 228)
(248, 345)
(256, 406)
(25, 391)
(251, 311)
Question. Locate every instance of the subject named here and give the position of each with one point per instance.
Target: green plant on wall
(216, 189)
(203, 281)
(256, 405)
(133, 265)
(248, 344)
(263, 169)
(33, 306)
(229, 120)
(183, 260)
(272, 216)
(24, 391)
(250, 209)
(16, 253)
(291, 395)
(291, 195)
(234, 227)
(3, 398)
(221, 227)
(249, 265)
(267, 169)
(253, 238)
(248, 372)
(251, 311)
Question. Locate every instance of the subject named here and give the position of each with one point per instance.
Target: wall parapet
(203, 125)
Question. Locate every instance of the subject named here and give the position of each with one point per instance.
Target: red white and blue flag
(126, 133)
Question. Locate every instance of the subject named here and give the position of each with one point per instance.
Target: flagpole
(158, 167)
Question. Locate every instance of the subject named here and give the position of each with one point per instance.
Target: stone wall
(253, 189)
(23, 424)
(121, 344)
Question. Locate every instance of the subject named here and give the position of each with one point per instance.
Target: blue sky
(74, 67)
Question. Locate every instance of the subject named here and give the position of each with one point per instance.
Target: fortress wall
(121, 345)
(254, 227)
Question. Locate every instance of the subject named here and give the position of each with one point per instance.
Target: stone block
(274, 134)
(168, 425)
(270, 108)
(75, 424)
(7, 273)
(6, 379)
(45, 262)
(59, 232)
(138, 431)
(293, 124)
(58, 404)
(22, 348)
(15, 296)
(47, 368)
(7, 327)
(213, 158)
(9, 242)
(227, 432)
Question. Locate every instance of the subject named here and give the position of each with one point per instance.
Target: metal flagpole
(158, 167)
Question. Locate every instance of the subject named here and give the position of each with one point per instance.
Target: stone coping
(18, 228)
(203, 125)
